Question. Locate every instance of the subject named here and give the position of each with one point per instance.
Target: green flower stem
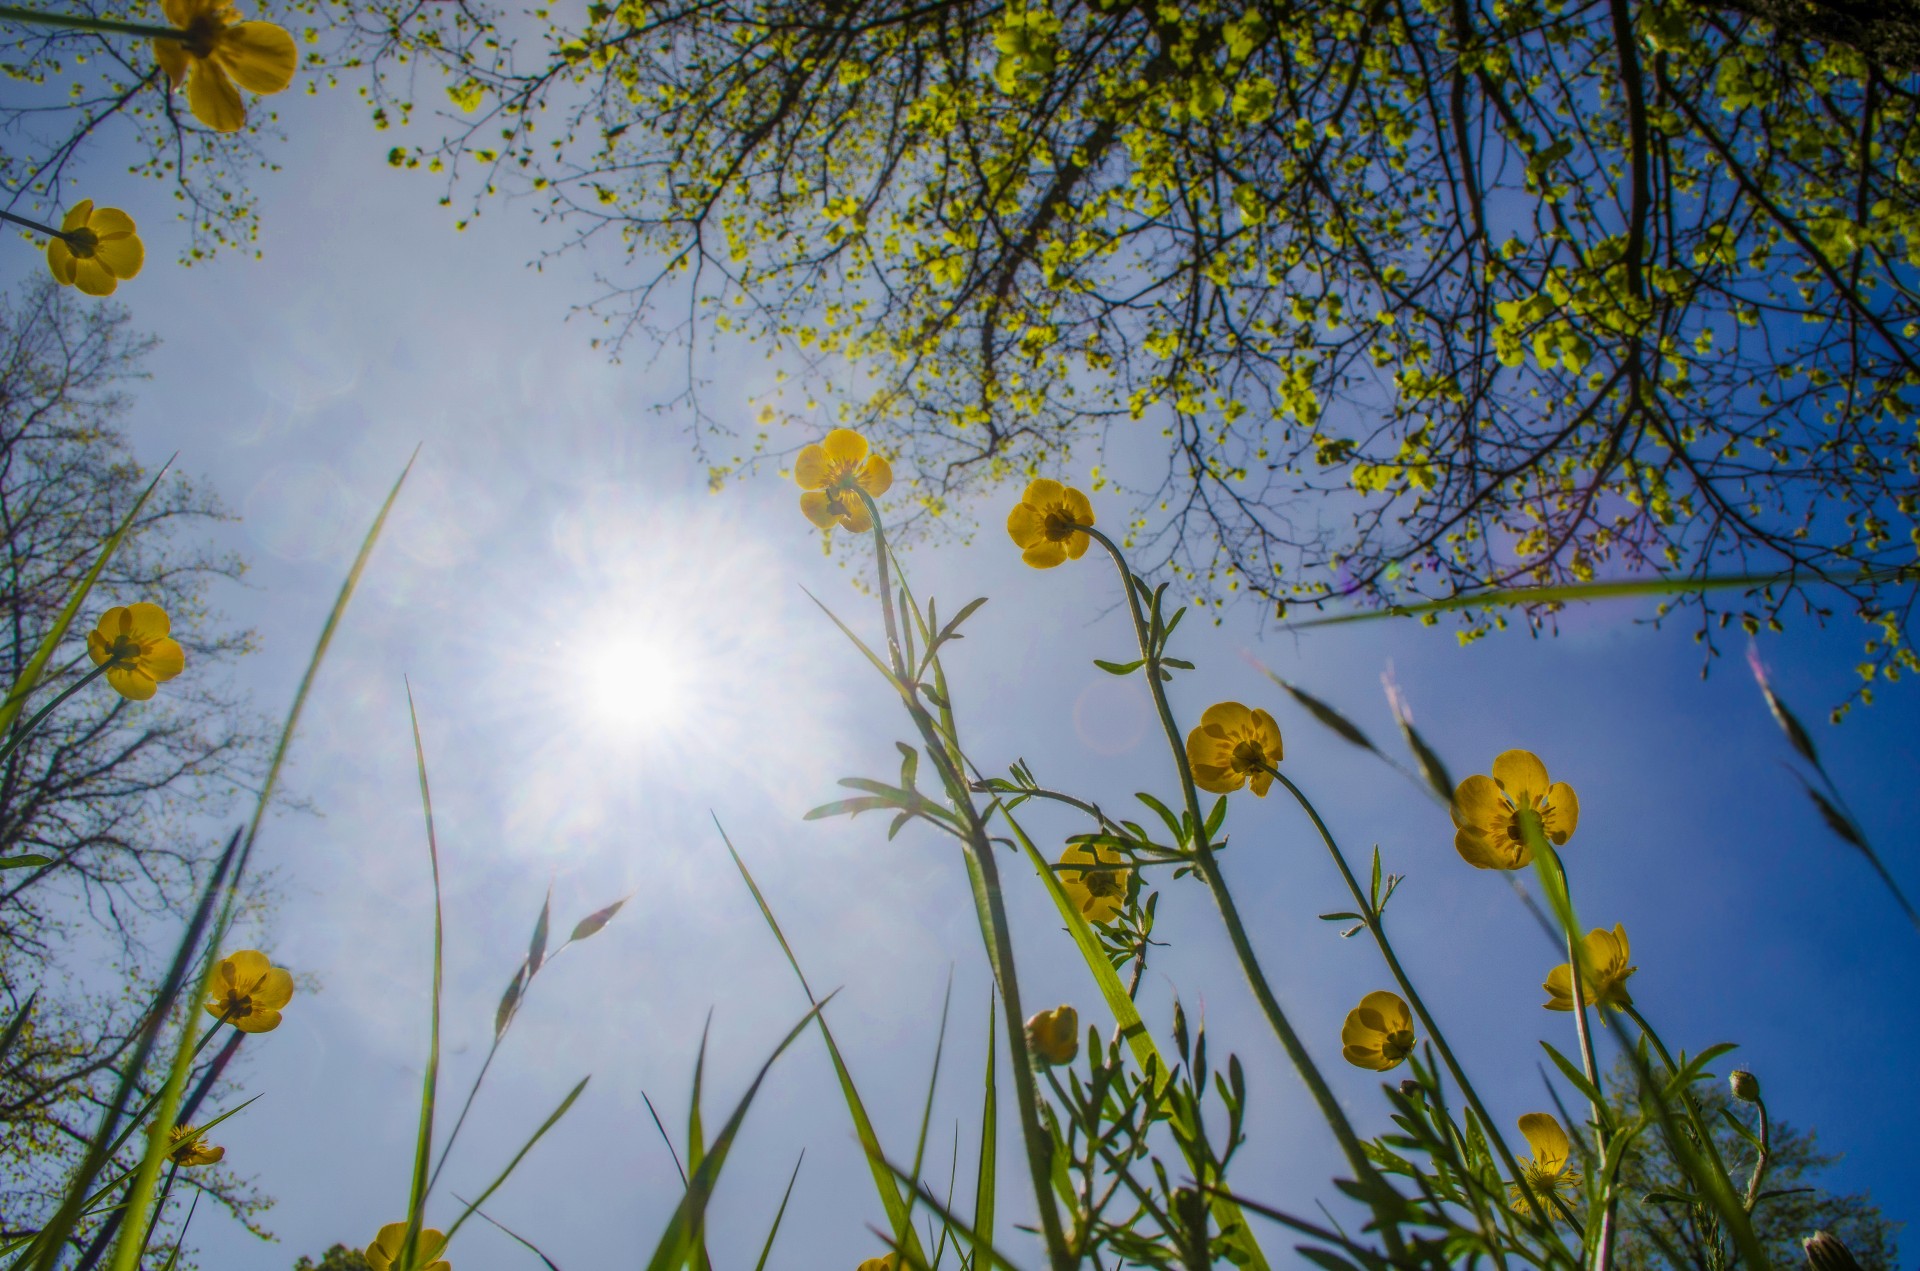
(35, 226)
(995, 931)
(1377, 929)
(1386, 1200)
(21, 733)
(106, 26)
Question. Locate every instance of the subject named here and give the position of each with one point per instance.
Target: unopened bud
(1824, 1253)
(1746, 1086)
(1410, 1088)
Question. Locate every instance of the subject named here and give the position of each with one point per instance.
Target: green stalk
(21, 733)
(984, 873)
(1386, 1200)
(105, 26)
(1377, 929)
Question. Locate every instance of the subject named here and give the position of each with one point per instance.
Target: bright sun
(630, 687)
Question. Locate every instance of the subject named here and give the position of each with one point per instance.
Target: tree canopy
(1419, 297)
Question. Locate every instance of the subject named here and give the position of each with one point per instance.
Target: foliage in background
(107, 790)
(1795, 1162)
(1423, 298)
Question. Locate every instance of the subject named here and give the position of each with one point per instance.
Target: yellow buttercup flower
(1049, 523)
(386, 1247)
(1053, 1037)
(1378, 1033)
(187, 1148)
(1099, 894)
(132, 643)
(1233, 746)
(1607, 972)
(1487, 811)
(1547, 1173)
(889, 1263)
(248, 992)
(830, 470)
(95, 249)
(218, 51)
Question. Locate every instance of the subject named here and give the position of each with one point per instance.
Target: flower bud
(1053, 1037)
(1824, 1253)
(1746, 1086)
(1410, 1088)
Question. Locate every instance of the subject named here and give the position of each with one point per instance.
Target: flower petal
(1393, 1011)
(93, 277)
(1481, 852)
(1561, 814)
(1559, 988)
(131, 682)
(274, 990)
(1042, 491)
(1223, 718)
(818, 508)
(60, 261)
(257, 1021)
(173, 60)
(1025, 525)
(77, 216)
(122, 254)
(1045, 554)
(1522, 775)
(260, 56)
(243, 971)
(855, 516)
(876, 476)
(1078, 504)
(164, 660)
(147, 621)
(844, 445)
(214, 100)
(1547, 1139)
(812, 467)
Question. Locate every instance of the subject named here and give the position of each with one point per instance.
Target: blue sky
(605, 655)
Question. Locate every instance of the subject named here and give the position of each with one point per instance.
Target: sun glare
(630, 687)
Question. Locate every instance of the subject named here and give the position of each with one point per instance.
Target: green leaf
(537, 946)
(24, 862)
(509, 1002)
(983, 1186)
(890, 1198)
(553, 1118)
(1118, 668)
(767, 1248)
(1328, 717)
(591, 924)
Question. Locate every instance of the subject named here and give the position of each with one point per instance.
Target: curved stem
(20, 734)
(105, 26)
(1208, 867)
(995, 931)
(1377, 929)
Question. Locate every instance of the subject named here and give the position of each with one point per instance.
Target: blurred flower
(889, 1263)
(249, 992)
(1378, 1033)
(1547, 1172)
(1606, 980)
(220, 50)
(1825, 1253)
(186, 1148)
(1053, 1036)
(829, 470)
(1048, 523)
(386, 1248)
(1232, 747)
(132, 643)
(1745, 1086)
(1099, 894)
(1488, 811)
(95, 249)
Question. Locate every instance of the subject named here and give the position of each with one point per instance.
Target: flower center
(82, 242)
(843, 475)
(1249, 756)
(1103, 883)
(1398, 1045)
(201, 34)
(125, 650)
(239, 1005)
(1060, 524)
